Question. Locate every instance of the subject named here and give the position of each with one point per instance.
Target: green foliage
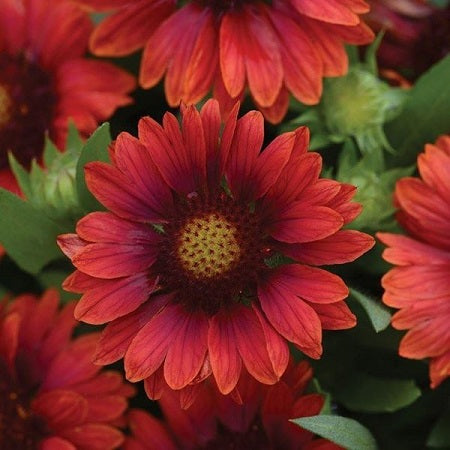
(343, 431)
(378, 314)
(365, 393)
(95, 149)
(440, 434)
(56, 196)
(28, 236)
(425, 115)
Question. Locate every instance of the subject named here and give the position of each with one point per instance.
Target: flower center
(19, 427)
(208, 246)
(5, 105)
(27, 101)
(212, 253)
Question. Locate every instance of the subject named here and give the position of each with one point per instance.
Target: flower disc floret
(182, 264)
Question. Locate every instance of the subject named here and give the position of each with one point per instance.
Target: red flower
(417, 33)
(285, 46)
(44, 79)
(259, 419)
(182, 266)
(51, 395)
(420, 285)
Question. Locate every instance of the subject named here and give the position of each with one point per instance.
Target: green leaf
(50, 152)
(379, 315)
(365, 393)
(96, 149)
(343, 431)
(440, 434)
(22, 176)
(28, 236)
(74, 143)
(425, 115)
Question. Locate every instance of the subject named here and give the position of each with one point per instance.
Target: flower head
(420, 286)
(203, 263)
(51, 395)
(417, 33)
(258, 418)
(272, 48)
(45, 80)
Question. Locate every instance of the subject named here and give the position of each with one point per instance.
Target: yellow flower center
(208, 246)
(5, 105)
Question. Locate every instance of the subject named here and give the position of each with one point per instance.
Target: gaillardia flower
(270, 47)
(259, 420)
(420, 285)
(417, 33)
(52, 396)
(45, 80)
(190, 265)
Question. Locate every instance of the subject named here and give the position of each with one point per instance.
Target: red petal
(60, 408)
(406, 251)
(149, 347)
(114, 190)
(302, 66)
(245, 148)
(134, 160)
(187, 351)
(291, 317)
(130, 28)
(225, 360)
(232, 65)
(252, 346)
(149, 431)
(341, 247)
(56, 443)
(301, 222)
(117, 335)
(70, 244)
(108, 228)
(335, 316)
(332, 11)
(276, 346)
(114, 298)
(259, 45)
(311, 284)
(99, 436)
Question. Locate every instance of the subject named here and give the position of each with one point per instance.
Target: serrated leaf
(425, 115)
(440, 434)
(95, 149)
(341, 430)
(379, 315)
(364, 393)
(28, 236)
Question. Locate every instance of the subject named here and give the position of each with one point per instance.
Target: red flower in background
(183, 264)
(271, 48)
(259, 419)
(420, 285)
(45, 80)
(51, 395)
(417, 34)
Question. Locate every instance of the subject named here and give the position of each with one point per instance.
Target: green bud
(357, 105)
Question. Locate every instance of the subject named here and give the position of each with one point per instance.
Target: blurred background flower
(51, 395)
